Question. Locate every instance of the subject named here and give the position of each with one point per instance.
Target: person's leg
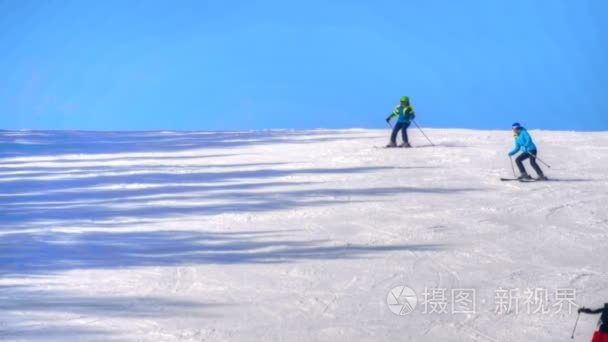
(599, 336)
(519, 162)
(396, 129)
(404, 134)
(535, 166)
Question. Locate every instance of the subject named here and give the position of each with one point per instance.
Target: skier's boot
(524, 176)
(406, 145)
(391, 144)
(542, 178)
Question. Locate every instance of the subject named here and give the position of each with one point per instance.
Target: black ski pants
(528, 155)
(403, 127)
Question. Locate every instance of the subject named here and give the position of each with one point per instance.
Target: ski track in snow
(291, 235)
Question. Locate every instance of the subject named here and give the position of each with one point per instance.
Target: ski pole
(575, 324)
(427, 138)
(540, 160)
(389, 123)
(512, 167)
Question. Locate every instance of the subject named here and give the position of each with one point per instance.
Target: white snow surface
(290, 235)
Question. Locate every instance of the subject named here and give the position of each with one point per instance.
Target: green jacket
(404, 114)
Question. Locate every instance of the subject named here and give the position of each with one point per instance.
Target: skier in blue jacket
(524, 143)
(405, 115)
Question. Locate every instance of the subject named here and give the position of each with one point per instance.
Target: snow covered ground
(297, 236)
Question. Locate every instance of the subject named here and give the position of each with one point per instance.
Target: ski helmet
(516, 125)
(405, 99)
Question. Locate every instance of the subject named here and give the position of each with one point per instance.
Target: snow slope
(293, 235)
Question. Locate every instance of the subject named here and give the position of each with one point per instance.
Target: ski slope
(294, 235)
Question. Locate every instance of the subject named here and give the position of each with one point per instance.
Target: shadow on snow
(52, 143)
(100, 202)
(29, 254)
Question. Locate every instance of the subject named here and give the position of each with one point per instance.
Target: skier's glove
(388, 119)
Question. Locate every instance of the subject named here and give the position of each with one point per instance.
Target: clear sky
(126, 64)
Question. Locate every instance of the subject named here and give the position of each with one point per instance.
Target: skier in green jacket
(405, 114)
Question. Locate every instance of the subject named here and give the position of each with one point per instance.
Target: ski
(393, 147)
(532, 180)
(523, 180)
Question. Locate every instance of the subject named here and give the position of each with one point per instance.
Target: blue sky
(126, 64)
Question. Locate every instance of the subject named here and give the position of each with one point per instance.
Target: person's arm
(393, 114)
(515, 149)
(412, 113)
(590, 311)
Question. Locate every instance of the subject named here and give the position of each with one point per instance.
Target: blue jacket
(523, 142)
(404, 114)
